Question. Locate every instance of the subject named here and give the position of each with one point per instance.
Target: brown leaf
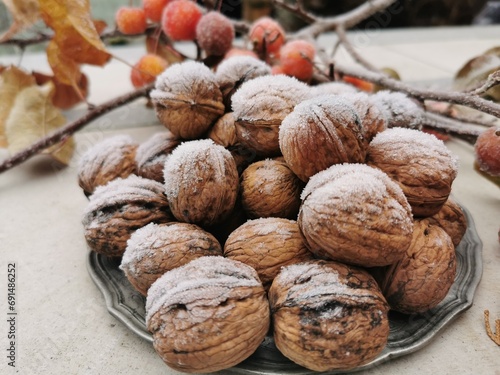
(65, 96)
(64, 67)
(476, 71)
(12, 81)
(24, 14)
(32, 117)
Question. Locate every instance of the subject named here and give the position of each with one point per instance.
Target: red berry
(297, 59)
(154, 9)
(359, 83)
(215, 33)
(180, 18)
(487, 150)
(147, 69)
(240, 52)
(277, 69)
(267, 37)
(130, 20)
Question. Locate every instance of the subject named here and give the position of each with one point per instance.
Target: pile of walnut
(269, 202)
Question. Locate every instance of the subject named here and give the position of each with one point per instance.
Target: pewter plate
(408, 333)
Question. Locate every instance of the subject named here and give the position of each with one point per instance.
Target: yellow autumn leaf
(24, 14)
(32, 117)
(12, 81)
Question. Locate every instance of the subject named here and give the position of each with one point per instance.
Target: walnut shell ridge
(157, 248)
(320, 132)
(207, 315)
(328, 315)
(151, 155)
(187, 99)
(111, 158)
(355, 214)
(452, 219)
(119, 208)
(201, 182)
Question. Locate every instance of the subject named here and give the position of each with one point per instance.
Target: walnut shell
(420, 163)
(111, 158)
(333, 88)
(320, 132)
(157, 248)
(224, 133)
(328, 316)
(151, 155)
(355, 214)
(452, 219)
(260, 105)
(207, 315)
(269, 188)
(119, 208)
(421, 280)
(398, 109)
(267, 244)
(187, 99)
(234, 71)
(201, 182)
(372, 118)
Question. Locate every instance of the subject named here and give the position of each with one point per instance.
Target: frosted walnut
(328, 316)
(398, 109)
(207, 315)
(452, 219)
(151, 155)
(260, 105)
(157, 248)
(267, 244)
(111, 158)
(355, 214)
(201, 182)
(420, 163)
(187, 99)
(119, 208)
(320, 132)
(234, 71)
(270, 188)
(371, 116)
(421, 280)
(333, 88)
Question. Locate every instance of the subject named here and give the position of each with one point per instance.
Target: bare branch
(492, 80)
(69, 129)
(352, 51)
(297, 9)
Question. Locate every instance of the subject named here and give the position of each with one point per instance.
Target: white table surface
(63, 326)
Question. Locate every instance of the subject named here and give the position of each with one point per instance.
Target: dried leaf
(12, 81)
(32, 117)
(24, 14)
(476, 71)
(156, 45)
(65, 96)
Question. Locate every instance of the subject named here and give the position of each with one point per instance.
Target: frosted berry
(487, 150)
(215, 33)
(154, 9)
(130, 20)
(179, 20)
(267, 37)
(297, 59)
(240, 52)
(146, 69)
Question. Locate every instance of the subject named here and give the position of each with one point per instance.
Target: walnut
(328, 316)
(223, 229)
(157, 248)
(207, 315)
(270, 188)
(372, 118)
(224, 133)
(452, 219)
(119, 208)
(355, 214)
(420, 163)
(320, 132)
(260, 105)
(151, 155)
(399, 109)
(267, 244)
(109, 159)
(234, 71)
(421, 280)
(333, 88)
(201, 182)
(187, 99)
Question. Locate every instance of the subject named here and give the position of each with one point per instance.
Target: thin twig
(297, 9)
(492, 80)
(66, 131)
(468, 100)
(340, 30)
